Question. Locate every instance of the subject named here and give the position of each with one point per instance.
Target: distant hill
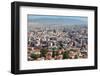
(59, 22)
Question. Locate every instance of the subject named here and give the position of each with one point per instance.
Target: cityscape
(57, 37)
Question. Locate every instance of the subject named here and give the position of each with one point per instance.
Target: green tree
(54, 48)
(54, 54)
(35, 56)
(65, 55)
(43, 52)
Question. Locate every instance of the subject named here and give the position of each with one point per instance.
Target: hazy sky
(47, 19)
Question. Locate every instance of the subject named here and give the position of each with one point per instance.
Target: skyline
(50, 19)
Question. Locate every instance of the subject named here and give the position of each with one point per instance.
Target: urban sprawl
(57, 42)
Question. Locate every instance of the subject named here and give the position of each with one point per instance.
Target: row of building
(60, 39)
